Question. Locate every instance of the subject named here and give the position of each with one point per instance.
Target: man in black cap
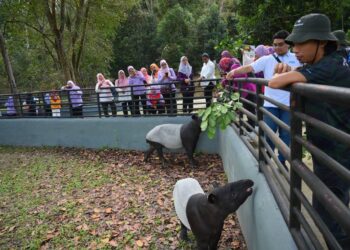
(343, 45)
(315, 46)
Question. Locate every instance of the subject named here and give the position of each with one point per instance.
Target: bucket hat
(341, 36)
(311, 27)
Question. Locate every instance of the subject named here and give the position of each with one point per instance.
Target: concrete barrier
(119, 132)
(260, 219)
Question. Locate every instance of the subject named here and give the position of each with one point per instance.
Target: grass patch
(76, 199)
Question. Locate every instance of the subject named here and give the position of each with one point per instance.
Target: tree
(176, 34)
(135, 41)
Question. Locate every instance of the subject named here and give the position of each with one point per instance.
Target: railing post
(240, 113)
(132, 101)
(70, 104)
(20, 104)
(296, 154)
(260, 117)
(98, 105)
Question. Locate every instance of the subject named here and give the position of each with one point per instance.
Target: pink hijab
(122, 80)
(103, 81)
(145, 74)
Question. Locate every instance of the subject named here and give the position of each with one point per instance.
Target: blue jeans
(284, 135)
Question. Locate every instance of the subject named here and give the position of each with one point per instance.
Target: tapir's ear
(194, 117)
(212, 198)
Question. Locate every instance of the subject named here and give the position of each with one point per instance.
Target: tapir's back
(183, 191)
(166, 134)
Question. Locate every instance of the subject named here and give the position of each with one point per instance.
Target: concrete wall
(120, 132)
(260, 218)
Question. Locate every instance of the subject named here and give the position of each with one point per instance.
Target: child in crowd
(55, 102)
(155, 101)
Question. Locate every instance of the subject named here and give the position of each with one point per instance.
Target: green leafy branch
(221, 113)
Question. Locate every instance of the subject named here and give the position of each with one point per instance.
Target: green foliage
(221, 113)
(261, 19)
(140, 32)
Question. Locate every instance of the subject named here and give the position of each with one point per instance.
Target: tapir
(205, 214)
(174, 136)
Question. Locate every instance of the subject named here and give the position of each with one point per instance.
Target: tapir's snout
(245, 186)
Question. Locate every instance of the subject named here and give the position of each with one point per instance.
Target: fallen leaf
(139, 243)
(113, 243)
(108, 210)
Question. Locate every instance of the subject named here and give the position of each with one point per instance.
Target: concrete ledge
(260, 218)
(120, 132)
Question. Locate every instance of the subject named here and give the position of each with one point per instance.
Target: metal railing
(292, 183)
(175, 98)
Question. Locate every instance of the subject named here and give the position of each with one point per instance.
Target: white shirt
(105, 93)
(267, 64)
(207, 72)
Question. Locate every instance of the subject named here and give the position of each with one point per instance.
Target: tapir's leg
(183, 233)
(214, 240)
(189, 152)
(159, 148)
(149, 152)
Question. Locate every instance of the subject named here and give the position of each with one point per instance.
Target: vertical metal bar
(240, 113)
(44, 103)
(20, 103)
(70, 104)
(296, 154)
(98, 105)
(260, 117)
(132, 101)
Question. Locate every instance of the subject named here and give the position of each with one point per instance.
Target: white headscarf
(185, 68)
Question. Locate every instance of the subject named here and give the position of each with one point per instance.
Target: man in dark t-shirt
(315, 46)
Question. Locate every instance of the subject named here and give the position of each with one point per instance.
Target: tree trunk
(58, 32)
(9, 72)
(8, 65)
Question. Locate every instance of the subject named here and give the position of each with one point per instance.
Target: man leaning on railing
(322, 66)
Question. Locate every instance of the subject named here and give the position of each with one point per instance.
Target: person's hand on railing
(231, 74)
(187, 81)
(282, 68)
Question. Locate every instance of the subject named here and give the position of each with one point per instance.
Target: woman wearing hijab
(146, 75)
(166, 76)
(137, 83)
(226, 54)
(185, 76)
(124, 93)
(227, 64)
(75, 98)
(154, 72)
(105, 95)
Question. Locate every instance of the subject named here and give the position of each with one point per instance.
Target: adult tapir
(174, 136)
(205, 214)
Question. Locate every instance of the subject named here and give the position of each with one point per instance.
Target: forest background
(48, 42)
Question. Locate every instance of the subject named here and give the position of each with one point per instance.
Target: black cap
(311, 27)
(341, 36)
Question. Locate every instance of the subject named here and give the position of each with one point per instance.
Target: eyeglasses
(279, 44)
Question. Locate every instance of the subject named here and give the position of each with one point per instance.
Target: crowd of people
(320, 57)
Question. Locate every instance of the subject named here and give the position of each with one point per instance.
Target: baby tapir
(174, 136)
(205, 214)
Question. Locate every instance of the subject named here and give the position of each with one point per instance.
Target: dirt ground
(54, 198)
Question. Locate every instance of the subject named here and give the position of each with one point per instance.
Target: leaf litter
(107, 199)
